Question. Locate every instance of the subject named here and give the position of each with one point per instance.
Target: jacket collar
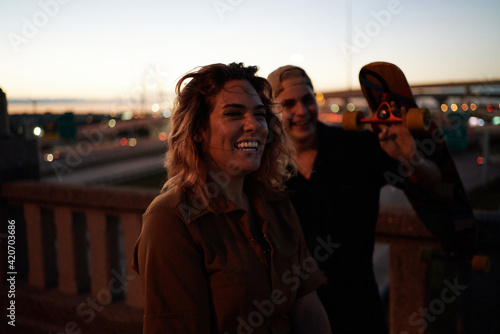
(191, 208)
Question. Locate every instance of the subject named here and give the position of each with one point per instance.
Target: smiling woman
(221, 106)
(237, 129)
(221, 250)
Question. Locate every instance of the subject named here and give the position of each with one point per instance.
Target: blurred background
(89, 90)
(70, 68)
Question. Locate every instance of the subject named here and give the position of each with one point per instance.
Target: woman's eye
(233, 113)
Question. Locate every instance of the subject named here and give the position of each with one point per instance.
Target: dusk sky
(51, 49)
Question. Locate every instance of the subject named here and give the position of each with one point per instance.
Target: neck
(308, 144)
(234, 192)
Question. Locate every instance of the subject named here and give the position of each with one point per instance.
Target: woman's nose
(251, 124)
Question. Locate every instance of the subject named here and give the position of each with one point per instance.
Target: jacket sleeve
(174, 282)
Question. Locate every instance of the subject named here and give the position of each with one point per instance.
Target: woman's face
(237, 129)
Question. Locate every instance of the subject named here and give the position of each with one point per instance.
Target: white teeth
(247, 145)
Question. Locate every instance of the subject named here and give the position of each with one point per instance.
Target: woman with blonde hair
(221, 249)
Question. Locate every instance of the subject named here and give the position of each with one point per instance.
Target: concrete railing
(405, 234)
(81, 239)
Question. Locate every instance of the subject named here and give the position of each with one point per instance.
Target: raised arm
(397, 141)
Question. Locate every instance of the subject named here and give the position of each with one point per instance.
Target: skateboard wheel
(426, 254)
(480, 263)
(418, 119)
(351, 121)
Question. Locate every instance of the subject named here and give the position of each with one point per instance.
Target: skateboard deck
(445, 210)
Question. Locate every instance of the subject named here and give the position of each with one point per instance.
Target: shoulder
(166, 220)
(165, 235)
(163, 211)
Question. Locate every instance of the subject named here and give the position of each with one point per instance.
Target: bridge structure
(74, 246)
(477, 98)
(440, 91)
(101, 149)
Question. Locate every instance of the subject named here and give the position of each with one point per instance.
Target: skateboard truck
(417, 119)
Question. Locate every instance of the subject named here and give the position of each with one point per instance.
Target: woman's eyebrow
(241, 106)
(233, 105)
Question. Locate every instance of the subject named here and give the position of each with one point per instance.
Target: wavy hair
(185, 160)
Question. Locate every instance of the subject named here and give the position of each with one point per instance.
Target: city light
(167, 113)
(132, 142)
(473, 121)
(111, 123)
(454, 107)
(155, 107)
(473, 107)
(444, 108)
(465, 107)
(162, 136)
(320, 98)
(127, 115)
(495, 120)
(351, 107)
(335, 108)
(37, 131)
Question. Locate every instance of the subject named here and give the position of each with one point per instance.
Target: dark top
(338, 206)
(203, 272)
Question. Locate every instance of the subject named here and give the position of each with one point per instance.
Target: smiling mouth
(247, 146)
(301, 123)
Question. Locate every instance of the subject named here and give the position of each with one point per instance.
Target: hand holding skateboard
(444, 209)
(395, 139)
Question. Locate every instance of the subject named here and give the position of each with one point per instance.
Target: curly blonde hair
(186, 161)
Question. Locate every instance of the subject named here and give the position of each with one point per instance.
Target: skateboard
(445, 210)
